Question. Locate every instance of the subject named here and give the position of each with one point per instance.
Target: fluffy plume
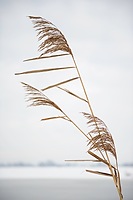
(37, 98)
(52, 38)
(100, 137)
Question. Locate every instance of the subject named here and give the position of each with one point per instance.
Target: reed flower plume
(100, 142)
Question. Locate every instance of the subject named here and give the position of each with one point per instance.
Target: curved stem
(83, 86)
(92, 113)
(75, 124)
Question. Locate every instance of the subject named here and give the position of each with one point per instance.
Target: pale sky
(100, 34)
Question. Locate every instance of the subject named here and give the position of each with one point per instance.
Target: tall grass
(101, 145)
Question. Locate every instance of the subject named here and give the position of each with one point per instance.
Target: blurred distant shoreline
(50, 170)
(50, 163)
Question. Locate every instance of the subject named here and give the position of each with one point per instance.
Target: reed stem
(118, 187)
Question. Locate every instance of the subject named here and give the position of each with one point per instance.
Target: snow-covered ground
(58, 172)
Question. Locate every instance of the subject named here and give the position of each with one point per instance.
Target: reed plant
(101, 147)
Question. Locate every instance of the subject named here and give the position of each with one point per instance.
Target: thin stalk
(83, 86)
(117, 182)
(74, 124)
(92, 113)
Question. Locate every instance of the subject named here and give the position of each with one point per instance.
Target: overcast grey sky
(100, 33)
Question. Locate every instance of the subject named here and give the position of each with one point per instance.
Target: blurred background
(100, 34)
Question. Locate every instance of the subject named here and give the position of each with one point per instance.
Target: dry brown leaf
(43, 70)
(71, 93)
(99, 173)
(43, 57)
(55, 117)
(60, 83)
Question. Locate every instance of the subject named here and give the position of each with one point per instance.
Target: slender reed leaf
(99, 158)
(43, 57)
(71, 93)
(56, 117)
(84, 160)
(43, 70)
(60, 83)
(99, 173)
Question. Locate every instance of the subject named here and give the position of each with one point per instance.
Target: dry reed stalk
(100, 142)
